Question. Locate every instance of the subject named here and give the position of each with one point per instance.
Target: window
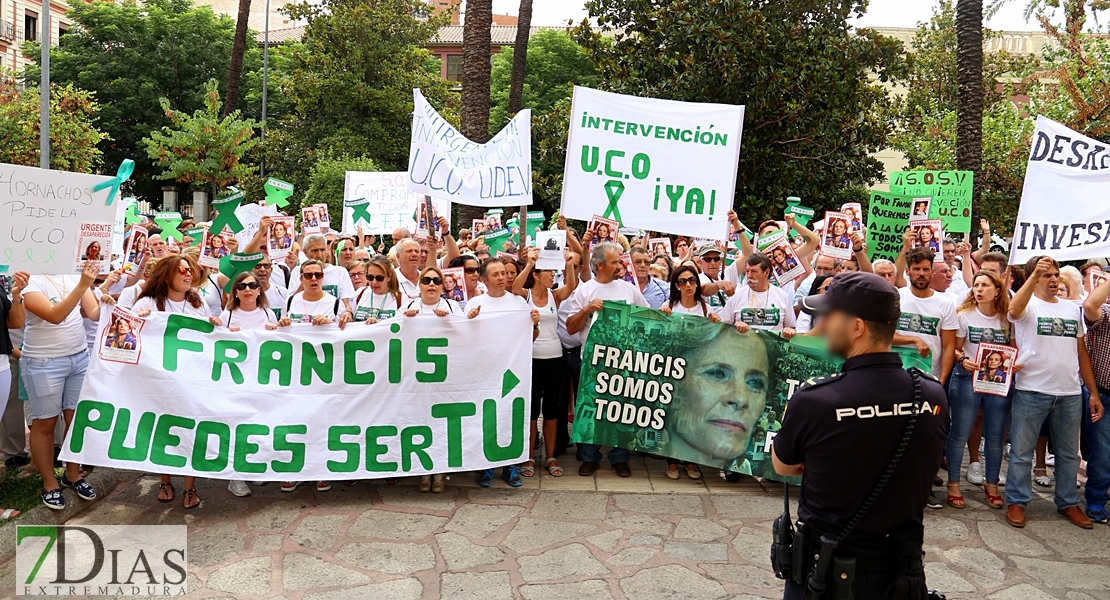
(454, 68)
(30, 26)
(62, 30)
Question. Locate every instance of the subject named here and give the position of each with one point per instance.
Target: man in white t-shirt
(716, 289)
(759, 305)
(928, 318)
(336, 280)
(587, 300)
(275, 294)
(1048, 388)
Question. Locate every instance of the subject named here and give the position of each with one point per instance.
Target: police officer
(840, 433)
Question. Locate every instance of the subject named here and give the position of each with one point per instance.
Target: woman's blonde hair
(1001, 300)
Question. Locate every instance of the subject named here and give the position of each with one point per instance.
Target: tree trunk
(238, 48)
(969, 101)
(520, 57)
(474, 113)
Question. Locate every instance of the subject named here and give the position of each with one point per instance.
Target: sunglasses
(263, 266)
(681, 281)
(248, 285)
(711, 259)
(378, 278)
(471, 270)
(312, 275)
(431, 280)
(183, 271)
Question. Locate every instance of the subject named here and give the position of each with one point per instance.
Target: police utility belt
(811, 559)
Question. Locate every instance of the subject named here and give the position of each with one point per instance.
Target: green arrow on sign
(508, 382)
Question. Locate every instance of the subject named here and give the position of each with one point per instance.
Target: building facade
(20, 21)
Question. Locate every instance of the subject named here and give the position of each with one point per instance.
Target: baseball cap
(864, 295)
(706, 249)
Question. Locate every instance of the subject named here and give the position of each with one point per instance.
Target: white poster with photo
(996, 369)
(929, 234)
(136, 249)
(661, 245)
(213, 248)
(658, 165)
(785, 264)
(310, 221)
(249, 216)
(94, 242)
(920, 210)
(379, 203)
(280, 237)
(836, 240)
(551, 246)
(121, 339)
(854, 210)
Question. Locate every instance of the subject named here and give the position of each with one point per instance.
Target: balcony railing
(7, 31)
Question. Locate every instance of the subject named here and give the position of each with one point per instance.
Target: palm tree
(238, 48)
(474, 112)
(969, 98)
(520, 57)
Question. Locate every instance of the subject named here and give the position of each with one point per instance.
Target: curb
(103, 480)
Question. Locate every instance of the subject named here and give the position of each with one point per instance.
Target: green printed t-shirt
(926, 318)
(1052, 330)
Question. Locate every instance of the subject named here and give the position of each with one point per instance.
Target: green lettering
(164, 439)
(409, 447)
(295, 449)
(81, 421)
(171, 344)
(312, 363)
(493, 451)
(439, 373)
(454, 413)
(222, 431)
(374, 449)
(336, 444)
(221, 349)
(244, 447)
(274, 355)
(351, 375)
(118, 449)
(394, 361)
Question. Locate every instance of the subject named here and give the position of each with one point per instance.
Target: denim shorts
(53, 384)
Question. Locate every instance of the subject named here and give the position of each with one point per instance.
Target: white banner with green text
(409, 396)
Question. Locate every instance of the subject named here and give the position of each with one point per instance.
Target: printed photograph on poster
(551, 250)
(660, 246)
(628, 273)
(604, 230)
(507, 255)
(324, 216)
(454, 286)
(493, 221)
(784, 261)
(733, 233)
(920, 210)
(213, 248)
(929, 234)
(423, 231)
(136, 248)
(310, 220)
(996, 369)
(279, 239)
(854, 210)
(836, 241)
(478, 227)
(120, 341)
(94, 242)
(1095, 278)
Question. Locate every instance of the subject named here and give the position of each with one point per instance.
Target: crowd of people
(1053, 324)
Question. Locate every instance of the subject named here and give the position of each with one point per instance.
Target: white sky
(880, 13)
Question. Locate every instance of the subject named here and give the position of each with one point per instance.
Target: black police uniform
(845, 427)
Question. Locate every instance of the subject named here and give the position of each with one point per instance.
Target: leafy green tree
(812, 85)
(556, 63)
(73, 135)
(131, 54)
(204, 149)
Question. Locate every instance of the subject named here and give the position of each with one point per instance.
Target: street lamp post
(44, 90)
(265, 81)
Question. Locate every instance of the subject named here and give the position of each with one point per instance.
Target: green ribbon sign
(234, 264)
(197, 233)
(169, 221)
(123, 173)
(614, 189)
(360, 210)
(278, 192)
(131, 212)
(802, 213)
(225, 213)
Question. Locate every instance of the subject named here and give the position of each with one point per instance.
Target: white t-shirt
(275, 298)
(716, 301)
(179, 308)
(1050, 329)
(91, 326)
(772, 310)
(547, 344)
(255, 319)
(975, 327)
(699, 309)
(449, 305)
(409, 289)
(44, 339)
(212, 295)
(617, 290)
(302, 311)
(372, 306)
(925, 318)
(337, 282)
(130, 294)
(504, 303)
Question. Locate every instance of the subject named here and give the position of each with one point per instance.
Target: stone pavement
(643, 538)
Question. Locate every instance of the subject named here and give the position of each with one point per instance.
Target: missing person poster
(660, 245)
(454, 284)
(213, 248)
(551, 245)
(604, 230)
(785, 264)
(629, 271)
(279, 239)
(94, 242)
(929, 234)
(996, 369)
(837, 240)
(662, 385)
(854, 210)
(310, 220)
(324, 216)
(920, 210)
(120, 340)
(136, 249)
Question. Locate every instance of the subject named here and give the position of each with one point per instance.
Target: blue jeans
(963, 405)
(1098, 456)
(591, 453)
(53, 384)
(1028, 412)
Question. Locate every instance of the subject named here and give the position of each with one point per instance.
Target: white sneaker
(238, 488)
(1001, 479)
(1050, 460)
(975, 473)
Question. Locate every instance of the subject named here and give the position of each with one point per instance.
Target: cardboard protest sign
(803, 214)
(43, 211)
(536, 221)
(950, 192)
(498, 240)
(836, 242)
(660, 246)
(478, 227)
(250, 215)
(443, 163)
(604, 230)
(920, 211)
(644, 376)
(196, 234)
(629, 274)
(213, 248)
(120, 339)
(310, 221)
(136, 248)
(94, 242)
(279, 239)
(929, 234)
(1063, 165)
(854, 210)
(887, 217)
(551, 246)
(324, 215)
(399, 398)
(785, 264)
(379, 202)
(454, 284)
(658, 165)
(996, 369)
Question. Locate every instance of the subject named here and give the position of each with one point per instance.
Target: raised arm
(449, 243)
(52, 313)
(859, 251)
(522, 278)
(900, 261)
(813, 241)
(1020, 301)
(259, 238)
(1092, 306)
(570, 283)
(985, 244)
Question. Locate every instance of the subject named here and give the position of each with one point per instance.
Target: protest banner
(551, 245)
(1063, 165)
(950, 191)
(645, 387)
(379, 202)
(443, 163)
(403, 397)
(887, 218)
(44, 211)
(658, 165)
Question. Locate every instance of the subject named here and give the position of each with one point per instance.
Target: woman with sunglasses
(170, 289)
(381, 299)
(313, 304)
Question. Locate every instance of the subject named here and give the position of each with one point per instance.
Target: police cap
(863, 295)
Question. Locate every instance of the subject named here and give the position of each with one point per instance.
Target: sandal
(323, 486)
(993, 500)
(162, 488)
(185, 499)
(692, 471)
(955, 501)
(1043, 479)
(554, 468)
(528, 469)
(9, 513)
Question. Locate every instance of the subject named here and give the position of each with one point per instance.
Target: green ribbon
(197, 233)
(169, 221)
(278, 192)
(123, 173)
(225, 213)
(614, 188)
(802, 213)
(234, 264)
(360, 208)
(131, 212)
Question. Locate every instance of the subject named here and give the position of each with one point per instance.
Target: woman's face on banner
(722, 396)
(994, 361)
(925, 234)
(839, 227)
(123, 327)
